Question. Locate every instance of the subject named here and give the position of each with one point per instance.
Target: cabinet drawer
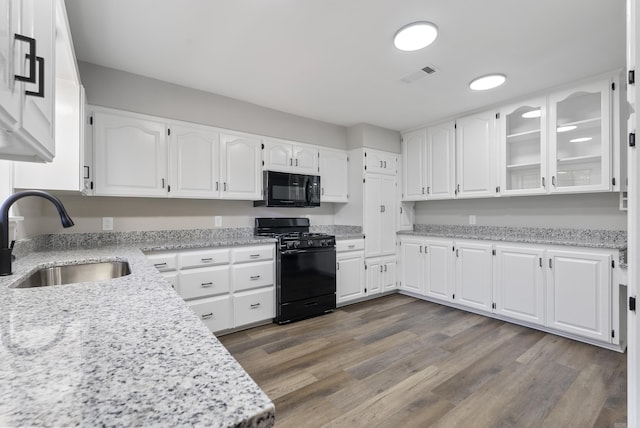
(163, 261)
(252, 275)
(172, 278)
(200, 258)
(252, 254)
(196, 283)
(255, 305)
(350, 245)
(215, 312)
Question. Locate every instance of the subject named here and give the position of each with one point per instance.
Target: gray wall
(588, 211)
(373, 137)
(108, 87)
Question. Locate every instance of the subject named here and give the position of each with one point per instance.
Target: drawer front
(350, 245)
(253, 254)
(253, 306)
(172, 278)
(252, 275)
(196, 283)
(201, 258)
(163, 262)
(215, 312)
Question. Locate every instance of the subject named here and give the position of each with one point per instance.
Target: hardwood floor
(399, 361)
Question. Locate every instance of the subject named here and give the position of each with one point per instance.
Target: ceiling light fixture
(489, 81)
(415, 36)
(532, 114)
(566, 128)
(580, 140)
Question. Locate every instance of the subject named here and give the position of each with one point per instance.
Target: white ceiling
(333, 60)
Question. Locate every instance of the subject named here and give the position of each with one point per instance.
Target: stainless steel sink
(71, 274)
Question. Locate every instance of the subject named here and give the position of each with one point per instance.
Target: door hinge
(262, 146)
(364, 236)
(613, 181)
(262, 163)
(493, 252)
(493, 306)
(613, 333)
(168, 131)
(631, 77)
(613, 264)
(455, 126)
(613, 86)
(90, 120)
(363, 180)
(497, 115)
(453, 296)
(497, 189)
(632, 139)
(632, 304)
(365, 265)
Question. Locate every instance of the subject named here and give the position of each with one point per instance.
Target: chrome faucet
(5, 248)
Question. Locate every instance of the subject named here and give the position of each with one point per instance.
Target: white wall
(585, 211)
(108, 87)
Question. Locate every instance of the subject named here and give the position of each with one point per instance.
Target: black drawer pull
(255, 306)
(207, 316)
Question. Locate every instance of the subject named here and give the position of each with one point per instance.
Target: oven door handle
(310, 250)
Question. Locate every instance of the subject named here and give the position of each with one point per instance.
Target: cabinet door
(412, 261)
(475, 153)
(10, 63)
(519, 283)
(523, 148)
(389, 275)
(278, 155)
(578, 290)
(438, 275)
(350, 279)
(375, 271)
(334, 176)
(379, 215)
(413, 166)
(380, 162)
(473, 275)
(193, 162)
(305, 160)
(130, 156)
(581, 138)
(240, 171)
(440, 161)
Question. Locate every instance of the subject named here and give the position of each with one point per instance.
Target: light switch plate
(107, 223)
(472, 219)
(217, 221)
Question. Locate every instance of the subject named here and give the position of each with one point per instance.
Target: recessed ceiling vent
(424, 72)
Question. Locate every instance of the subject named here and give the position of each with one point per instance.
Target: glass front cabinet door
(580, 138)
(523, 143)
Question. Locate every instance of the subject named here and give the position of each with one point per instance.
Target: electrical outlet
(217, 221)
(472, 219)
(107, 223)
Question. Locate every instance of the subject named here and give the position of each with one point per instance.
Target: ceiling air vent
(424, 72)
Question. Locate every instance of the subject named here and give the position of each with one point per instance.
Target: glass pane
(523, 148)
(578, 140)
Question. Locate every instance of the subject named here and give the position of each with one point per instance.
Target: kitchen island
(126, 351)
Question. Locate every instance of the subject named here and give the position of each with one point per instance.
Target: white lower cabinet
(350, 272)
(473, 275)
(381, 275)
(227, 287)
(578, 293)
(562, 290)
(518, 283)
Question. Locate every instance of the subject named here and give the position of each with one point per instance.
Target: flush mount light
(532, 114)
(566, 128)
(489, 81)
(414, 36)
(580, 140)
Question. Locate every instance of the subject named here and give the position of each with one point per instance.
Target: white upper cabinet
(240, 170)
(27, 31)
(130, 155)
(580, 137)
(379, 215)
(523, 148)
(379, 162)
(440, 161)
(287, 156)
(475, 153)
(193, 162)
(334, 175)
(414, 169)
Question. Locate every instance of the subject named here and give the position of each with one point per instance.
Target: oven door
(306, 274)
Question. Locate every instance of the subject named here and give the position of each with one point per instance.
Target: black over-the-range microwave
(282, 189)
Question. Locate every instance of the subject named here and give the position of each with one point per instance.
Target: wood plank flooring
(399, 361)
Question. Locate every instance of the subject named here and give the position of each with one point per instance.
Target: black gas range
(305, 268)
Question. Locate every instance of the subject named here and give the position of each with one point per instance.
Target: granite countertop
(126, 351)
(594, 238)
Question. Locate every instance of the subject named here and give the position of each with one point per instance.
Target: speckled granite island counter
(122, 352)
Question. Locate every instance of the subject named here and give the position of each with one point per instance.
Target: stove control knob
(296, 244)
(310, 243)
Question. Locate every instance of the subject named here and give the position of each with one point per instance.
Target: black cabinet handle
(40, 92)
(31, 56)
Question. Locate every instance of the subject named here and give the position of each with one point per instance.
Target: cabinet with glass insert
(580, 138)
(523, 130)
